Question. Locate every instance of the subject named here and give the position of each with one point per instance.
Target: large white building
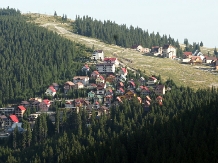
(105, 67)
(81, 79)
(98, 55)
(169, 51)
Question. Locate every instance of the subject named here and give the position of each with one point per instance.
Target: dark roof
(160, 87)
(3, 117)
(166, 46)
(134, 46)
(210, 58)
(98, 51)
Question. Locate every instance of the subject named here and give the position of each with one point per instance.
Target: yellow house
(128, 95)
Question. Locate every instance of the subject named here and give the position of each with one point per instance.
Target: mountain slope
(185, 75)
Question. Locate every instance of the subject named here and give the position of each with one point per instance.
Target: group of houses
(199, 58)
(109, 86)
(167, 50)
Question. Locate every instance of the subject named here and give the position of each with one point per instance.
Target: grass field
(182, 74)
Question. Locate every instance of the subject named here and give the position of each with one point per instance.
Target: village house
(187, 55)
(144, 91)
(3, 121)
(85, 68)
(10, 121)
(98, 55)
(169, 51)
(79, 85)
(19, 111)
(98, 98)
(56, 86)
(68, 85)
(160, 90)
(109, 92)
(111, 60)
(25, 104)
(50, 91)
(99, 80)
(95, 74)
(121, 78)
(101, 89)
(103, 110)
(141, 81)
(82, 79)
(151, 81)
(44, 105)
(123, 71)
(91, 95)
(156, 50)
(208, 59)
(139, 48)
(105, 68)
(195, 60)
(128, 95)
(120, 91)
(69, 104)
(131, 84)
(110, 78)
(108, 98)
(91, 86)
(7, 110)
(159, 100)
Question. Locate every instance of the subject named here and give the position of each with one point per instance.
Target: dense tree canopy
(32, 57)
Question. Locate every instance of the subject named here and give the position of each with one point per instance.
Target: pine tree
(55, 14)
(201, 44)
(57, 121)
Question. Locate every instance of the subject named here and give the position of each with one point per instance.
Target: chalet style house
(169, 51)
(98, 55)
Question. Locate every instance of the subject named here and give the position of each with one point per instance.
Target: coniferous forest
(32, 57)
(183, 129)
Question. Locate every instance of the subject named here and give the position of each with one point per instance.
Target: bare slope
(181, 74)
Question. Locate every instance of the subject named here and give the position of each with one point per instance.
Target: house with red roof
(208, 59)
(50, 91)
(120, 91)
(111, 60)
(19, 111)
(56, 86)
(95, 74)
(85, 68)
(44, 105)
(187, 55)
(152, 80)
(100, 79)
(123, 71)
(11, 120)
(131, 84)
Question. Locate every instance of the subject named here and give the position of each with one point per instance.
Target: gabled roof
(144, 88)
(121, 89)
(124, 70)
(21, 107)
(152, 78)
(101, 77)
(160, 87)
(139, 98)
(70, 83)
(98, 51)
(148, 98)
(159, 98)
(52, 88)
(187, 53)
(121, 84)
(110, 59)
(132, 83)
(135, 46)
(210, 58)
(118, 98)
(46, 101)
(79, 83)
(3, 117)
(166, 46)
(14, 118)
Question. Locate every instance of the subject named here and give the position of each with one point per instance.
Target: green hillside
(31, 58)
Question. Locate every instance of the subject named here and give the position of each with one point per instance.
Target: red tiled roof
(145, 88)
(14, 118)
(124, 70)
(159, 97)
(70, 83)
(132, 83)
(110, 59)
(101, 77)
(110, 90)
(121, 89)
(21, 107)
(52, 88)
(139, 98)
(187, 53)
(79, 83)
(152, 78)
(118, 98)
(46, 101)
(96, 103)
(121, 84)
(148, 98)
